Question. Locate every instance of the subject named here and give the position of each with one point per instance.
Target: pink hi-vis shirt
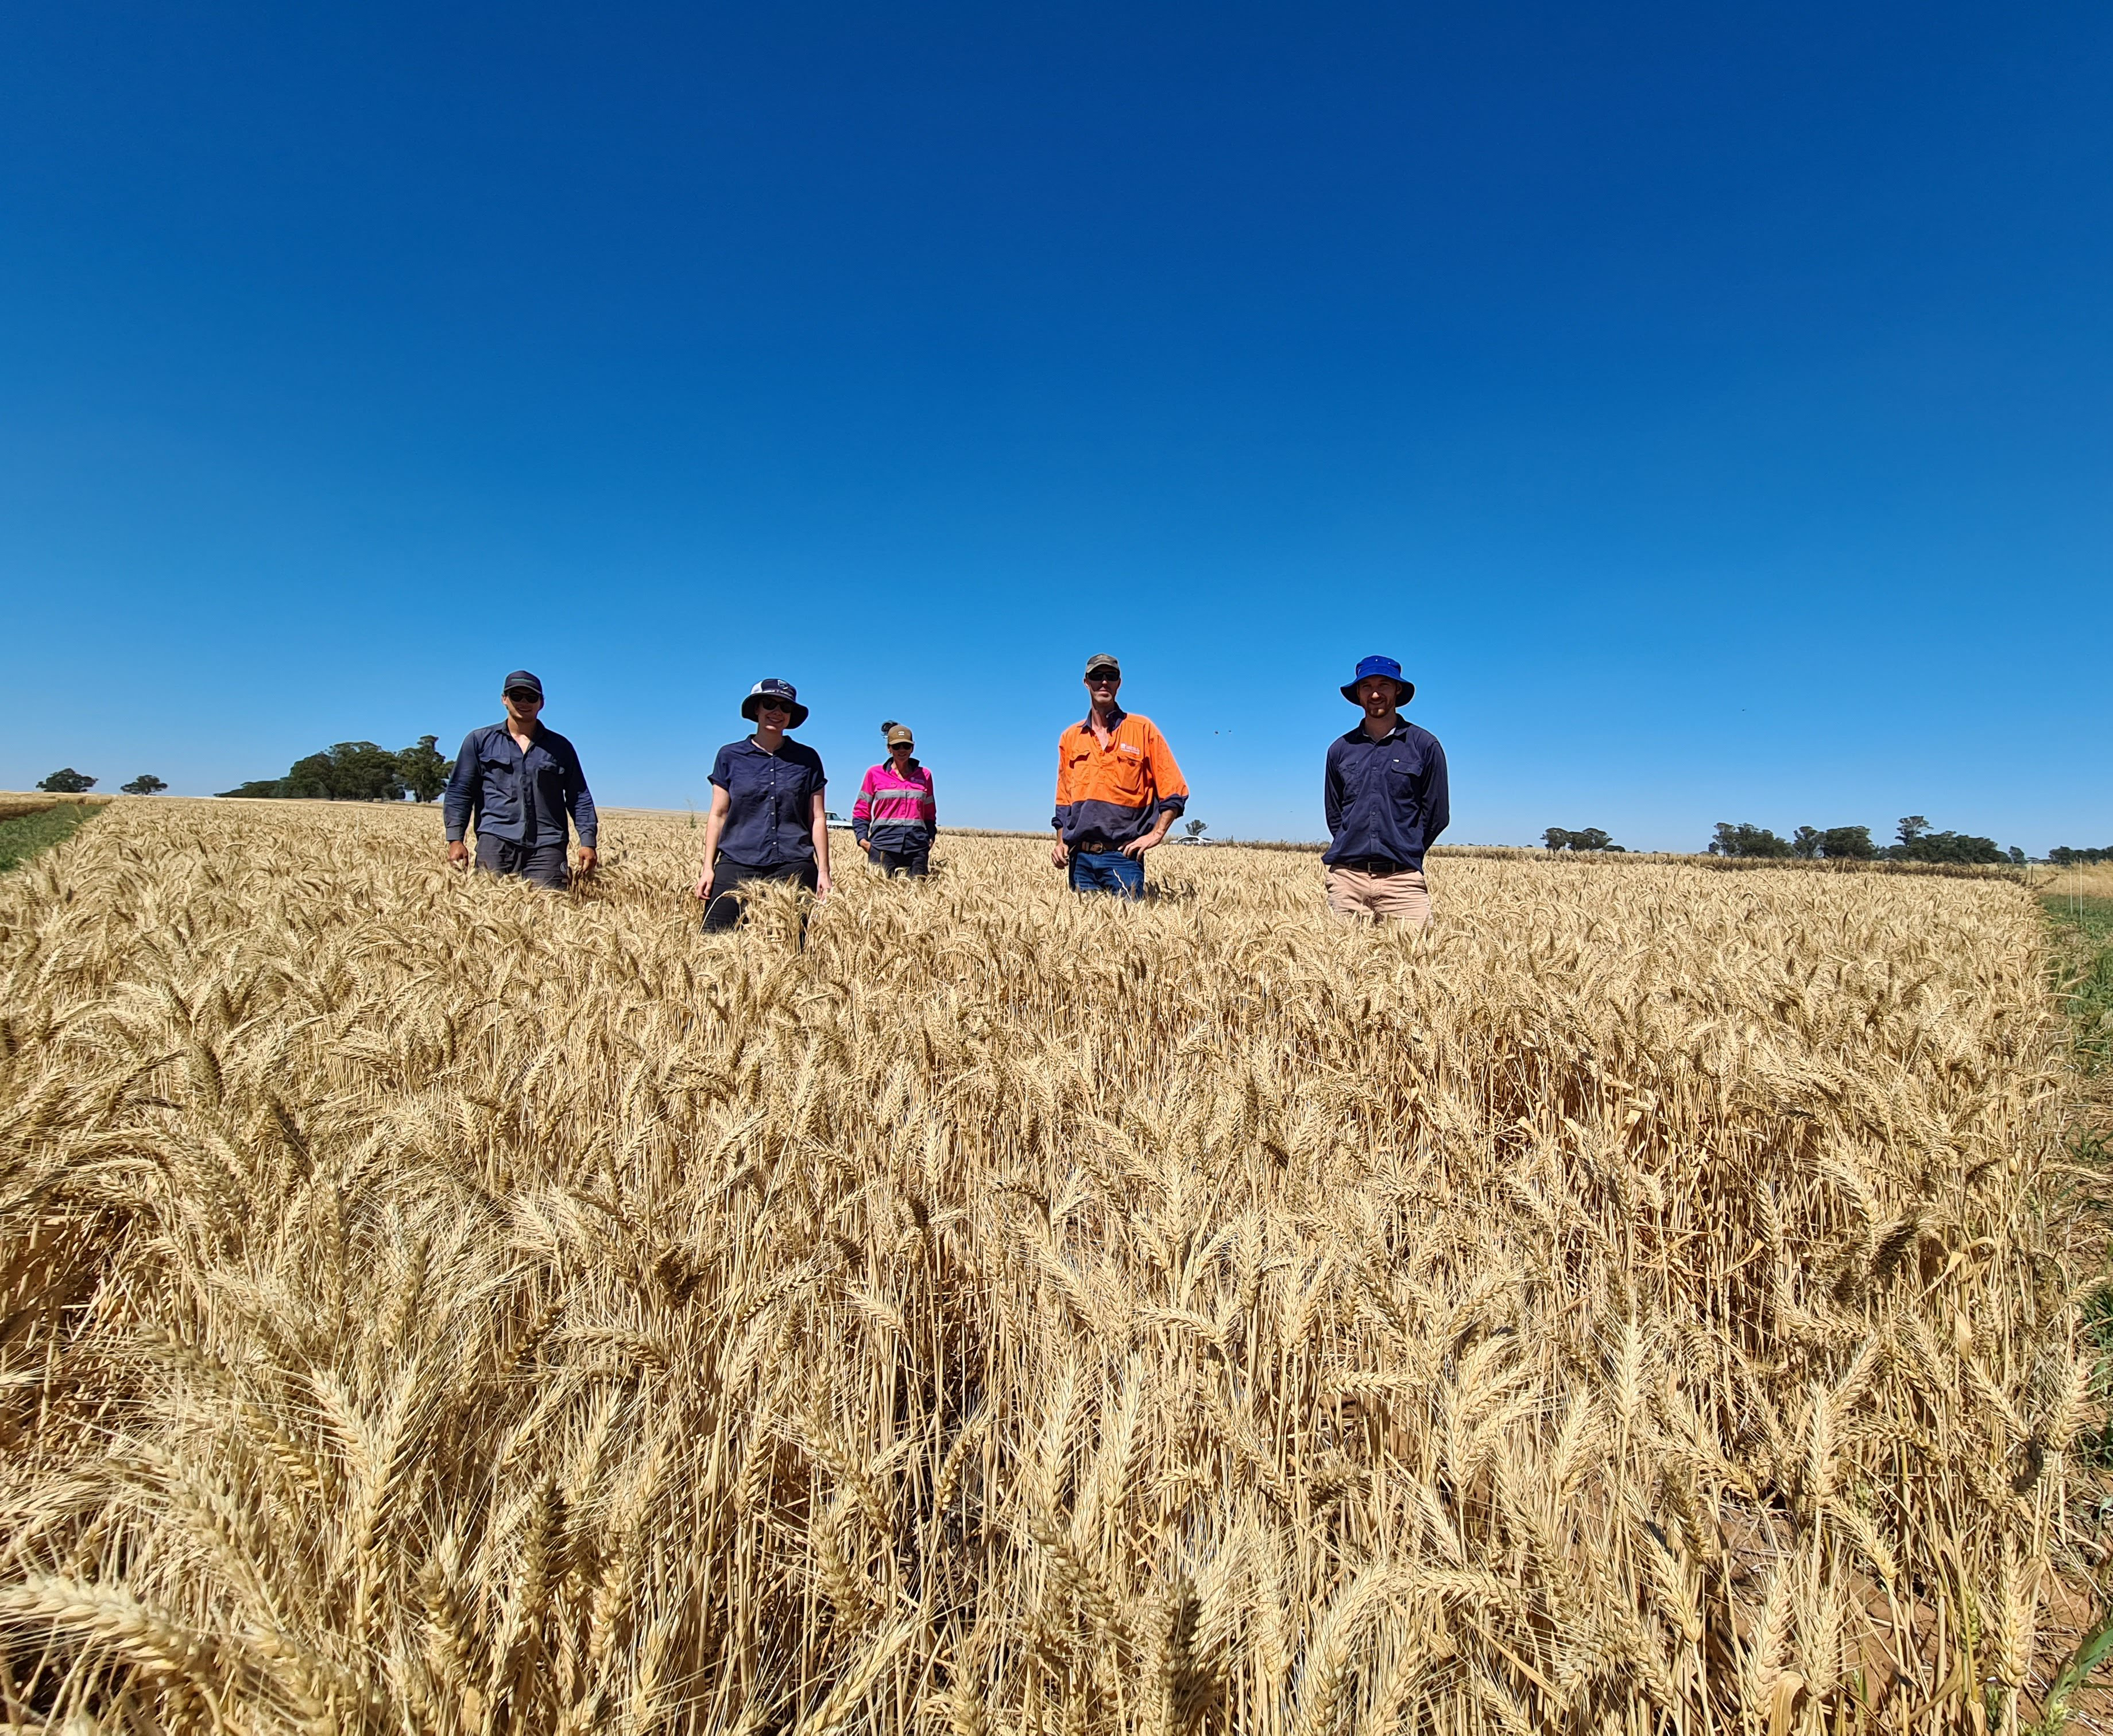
(896, 810)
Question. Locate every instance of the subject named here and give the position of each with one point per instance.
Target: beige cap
(900, 732)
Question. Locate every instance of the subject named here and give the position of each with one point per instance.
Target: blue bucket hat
(1385, 665)
(771, 688)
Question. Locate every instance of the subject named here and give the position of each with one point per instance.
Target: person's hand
(587, 858)
(821, 885)
(458, 853)
(704, 884)
(1136, 847)
(1059, 855)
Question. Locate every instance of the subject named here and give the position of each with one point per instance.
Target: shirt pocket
(1397, 781)
(1122, 776)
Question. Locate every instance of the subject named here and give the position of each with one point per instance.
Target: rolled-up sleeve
(459, 803)
(1060, 819)
(580, 799)
(1168, 785)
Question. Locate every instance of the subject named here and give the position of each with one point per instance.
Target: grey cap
(1102, 660)
(521, 678)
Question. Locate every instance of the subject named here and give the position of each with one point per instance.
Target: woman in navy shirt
(768, 821)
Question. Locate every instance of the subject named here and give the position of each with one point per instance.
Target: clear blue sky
(1712, 406)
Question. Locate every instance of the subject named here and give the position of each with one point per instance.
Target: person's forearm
(712, 825)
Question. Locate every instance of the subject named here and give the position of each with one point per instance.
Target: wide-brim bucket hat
(1385, 665)
(771, 688)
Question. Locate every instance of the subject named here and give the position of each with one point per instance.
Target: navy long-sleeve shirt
(523, 798)
(1385, 799)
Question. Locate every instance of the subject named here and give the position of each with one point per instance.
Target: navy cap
(1385, 665)
(521, 678)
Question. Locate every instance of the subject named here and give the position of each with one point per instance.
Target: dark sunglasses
(774, 705)
(522, 696)
(1104, 677)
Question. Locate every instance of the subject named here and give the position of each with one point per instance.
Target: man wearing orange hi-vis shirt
(1118, 790)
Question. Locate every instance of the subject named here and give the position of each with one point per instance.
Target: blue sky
(1709, 406)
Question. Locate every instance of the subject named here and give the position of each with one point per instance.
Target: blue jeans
(1124, 876)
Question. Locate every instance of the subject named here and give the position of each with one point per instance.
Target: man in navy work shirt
(519, 782)
(1386, 800)
(768, 820)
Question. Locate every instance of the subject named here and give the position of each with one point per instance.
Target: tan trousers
(1354, 893)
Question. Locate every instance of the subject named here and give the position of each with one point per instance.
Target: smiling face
(521, 706)
(773, 716)
(1379, 696)
(901, 753)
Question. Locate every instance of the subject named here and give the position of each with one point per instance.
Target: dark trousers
(539, 864)
(728, 877)
(913, 864)
(1113, 872)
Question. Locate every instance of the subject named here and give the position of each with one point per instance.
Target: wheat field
(1646, 1302)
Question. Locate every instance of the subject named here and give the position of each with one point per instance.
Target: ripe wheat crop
(1646, 1302)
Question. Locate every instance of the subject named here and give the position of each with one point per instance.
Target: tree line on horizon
(359, 771)
(1915, 841)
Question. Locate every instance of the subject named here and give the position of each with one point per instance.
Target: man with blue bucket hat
(1386, 801)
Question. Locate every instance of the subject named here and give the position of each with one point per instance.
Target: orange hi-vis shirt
(1110, 796)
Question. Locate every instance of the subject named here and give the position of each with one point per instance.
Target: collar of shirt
(1402, 727)
(1114, 722)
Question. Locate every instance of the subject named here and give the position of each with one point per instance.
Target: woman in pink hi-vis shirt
(895, 815)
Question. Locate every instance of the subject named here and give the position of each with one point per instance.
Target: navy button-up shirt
(1385, 799)
(523, 798)
(770, 815)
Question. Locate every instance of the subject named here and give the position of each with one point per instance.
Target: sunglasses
(774, 705)
(522, 696)
(1103, 678)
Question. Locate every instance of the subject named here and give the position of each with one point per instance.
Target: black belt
(1380, 866)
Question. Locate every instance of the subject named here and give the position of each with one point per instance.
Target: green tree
(1847, 844)
(1592, 837)
(255, 789)
(350, 772)
(423, 770)
(1918, 843)
(1197, 828)
(1748, 841)
(1947, 846)
(145, 784)
(67, 782)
